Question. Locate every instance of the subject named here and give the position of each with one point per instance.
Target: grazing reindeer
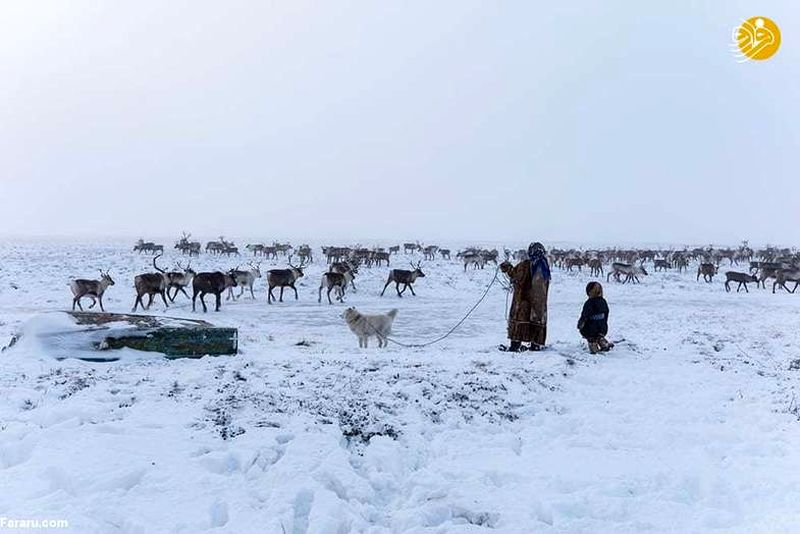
(429, 252)
(445, 252)
(337, 281)
(707, 270)
(283, 278)
(630, 271)
(179, 280)
(244, 279)
(741, 278)
(596, 267)
(787, 275)
(215, 283)
(394, 249)
(407, 278)
(93, 289)
(151, 284)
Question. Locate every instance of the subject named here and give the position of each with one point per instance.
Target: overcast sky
(583, 120)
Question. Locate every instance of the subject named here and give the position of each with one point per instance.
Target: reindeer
(343, 267)
(394, 249)
(741, 278)
(630, 271)
(410, 248)
(305, 253)
(284, 278)
(244, 279)
(282, 248)
(407, 278)
(429, 252)
(573, 261)
(661, 265)
(179, 280)
(596, 267)
(215, 283)
(380, 256)
(151, 284)
(475, 259)
(338, 281)
(707, 270)
(787, 275)
(93, 289)
(445, 252)
(147, 246)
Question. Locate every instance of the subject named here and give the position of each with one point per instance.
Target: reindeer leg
(397, 288)
(329, 295)
(203, 301)
(100, 300)
(411, 287)
(384, 287)
(77, 301)
(281, 299)
(218, 301)
(194, 298)
(164, 298)
(295, 292)
(252, 295)
(319, 295)
(270, 296)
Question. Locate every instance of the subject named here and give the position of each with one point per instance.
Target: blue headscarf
(538, 257)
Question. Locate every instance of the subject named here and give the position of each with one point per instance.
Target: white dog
(366, 326)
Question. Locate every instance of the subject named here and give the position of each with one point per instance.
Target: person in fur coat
(530, 280)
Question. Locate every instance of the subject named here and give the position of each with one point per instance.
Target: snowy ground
(689, 426)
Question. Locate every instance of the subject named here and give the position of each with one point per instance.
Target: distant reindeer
(596, 267)
(337, 281)
(429, 252)
(283, 278)
(305, 253)
(630, 271)
(473, 258)
(572, 262)
(150, 284)
(787, 275)
(179, 280)
(379, 256)
(410, 248)
(445, 252)
(407, 278)
(394, 249)
(93, 289)
(661, 265)
(707, 271)
(143, 246)
(741, 278)
(244, 280)
(215, 283)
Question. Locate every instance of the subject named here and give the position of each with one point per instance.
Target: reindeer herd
(780, 265)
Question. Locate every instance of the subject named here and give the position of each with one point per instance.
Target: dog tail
(392, 313)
